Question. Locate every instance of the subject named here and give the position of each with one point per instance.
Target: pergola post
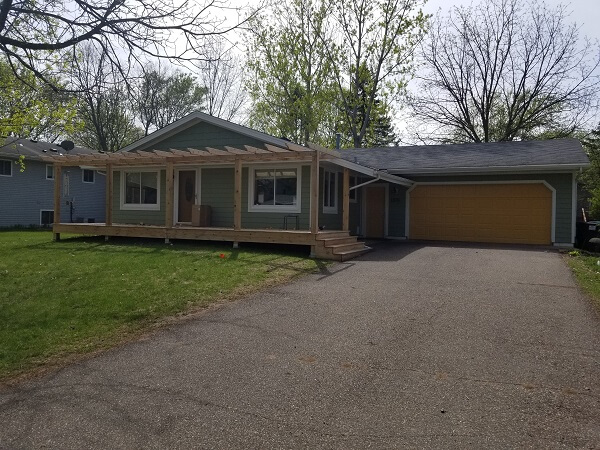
(57, 197)
(170, 194)
(314, 194)
(346, 200)
(237, 196)
(109, 194)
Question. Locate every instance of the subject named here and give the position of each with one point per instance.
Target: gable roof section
(13, 148)
(556, 154)
(195, 118)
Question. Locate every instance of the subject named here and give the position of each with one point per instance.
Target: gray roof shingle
(34, 150)
(484, 156)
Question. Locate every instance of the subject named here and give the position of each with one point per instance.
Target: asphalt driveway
(411, 346)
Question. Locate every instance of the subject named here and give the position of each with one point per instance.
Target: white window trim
(353, 191)
(275, 208)
(83, 176)
(331, 209)
(46, 210)
(52, 166)
(139, 207)
(11, 168)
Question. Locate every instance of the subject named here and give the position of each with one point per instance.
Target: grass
(59, 299)
(586, 267)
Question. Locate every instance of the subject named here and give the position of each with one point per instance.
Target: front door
(375, 212)
(187, 195)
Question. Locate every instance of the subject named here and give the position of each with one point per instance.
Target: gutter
(497, 169)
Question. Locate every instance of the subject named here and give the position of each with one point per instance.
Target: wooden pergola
(192, 156)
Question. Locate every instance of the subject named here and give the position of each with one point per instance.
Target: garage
(510, 213)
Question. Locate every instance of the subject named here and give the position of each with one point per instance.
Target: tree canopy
(503, 70)
(327, 66)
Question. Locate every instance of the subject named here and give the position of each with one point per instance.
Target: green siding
(138, 217)
(203, 135)
(274, 220)
(561, 182)
(217, 192)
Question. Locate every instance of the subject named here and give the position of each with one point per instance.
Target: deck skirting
(330, 244)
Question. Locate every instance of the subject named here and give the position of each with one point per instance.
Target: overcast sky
(585, 13)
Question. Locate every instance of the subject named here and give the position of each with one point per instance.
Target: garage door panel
(500, 213)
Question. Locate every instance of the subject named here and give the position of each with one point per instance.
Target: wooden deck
(330, 244)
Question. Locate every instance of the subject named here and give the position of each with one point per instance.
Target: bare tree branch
(505, 70)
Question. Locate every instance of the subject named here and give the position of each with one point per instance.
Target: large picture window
(140, 190)
(330, 192)
(275, 189)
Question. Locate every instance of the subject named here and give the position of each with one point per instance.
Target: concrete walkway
(411, 346)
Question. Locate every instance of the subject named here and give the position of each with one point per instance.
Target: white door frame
(176, 189)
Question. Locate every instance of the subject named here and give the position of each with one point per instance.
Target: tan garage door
(502, 213)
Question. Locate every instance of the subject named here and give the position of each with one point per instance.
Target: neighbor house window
(330, 192)
(49, 172)
(46, 217)
(275, 189)
(88, 176)
(140, 190)
(5, 168)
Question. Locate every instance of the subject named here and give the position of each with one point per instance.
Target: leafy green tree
(290, 86)
(380, 130)
(590, 178)
(31, 109)
(163, 98)
(373, 55)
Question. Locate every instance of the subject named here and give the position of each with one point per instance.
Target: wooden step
(338, 240)
(341, 248)
(345, 256)
(322, 235)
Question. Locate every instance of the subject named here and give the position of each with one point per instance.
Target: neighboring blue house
(27, 197)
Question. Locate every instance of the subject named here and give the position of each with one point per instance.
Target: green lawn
(59, 299)
(587, 271)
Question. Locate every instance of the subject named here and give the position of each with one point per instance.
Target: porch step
(331, 241)
(347, 255)
(341, 248)
(324, 235)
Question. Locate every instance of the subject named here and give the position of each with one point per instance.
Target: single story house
(28, 195)
(208, 179)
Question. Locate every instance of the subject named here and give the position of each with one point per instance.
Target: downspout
(366, 182)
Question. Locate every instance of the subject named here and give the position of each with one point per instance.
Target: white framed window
(49, 172)
(46, 217)
(88, 175)
(352, 193)
(330, 192)
(140, 189)
(274, 189)
(5, 168)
